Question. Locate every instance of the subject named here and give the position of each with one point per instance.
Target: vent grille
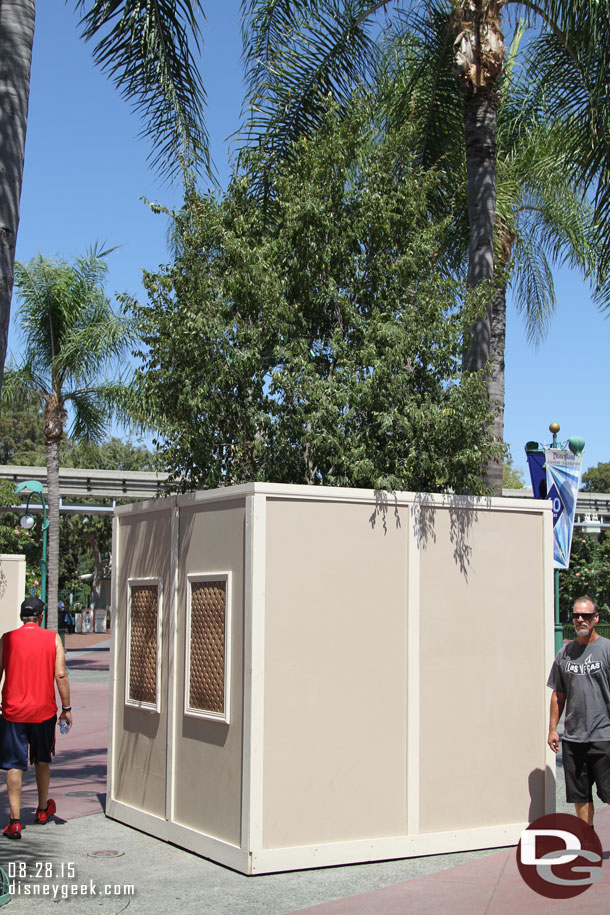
(143, 645)
(207, 648)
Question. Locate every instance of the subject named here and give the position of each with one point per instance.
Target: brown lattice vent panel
(143, 644)
(208, 636)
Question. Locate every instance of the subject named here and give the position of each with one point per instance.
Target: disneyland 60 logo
(559, 856)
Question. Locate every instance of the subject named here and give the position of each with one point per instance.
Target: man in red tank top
(32, 660)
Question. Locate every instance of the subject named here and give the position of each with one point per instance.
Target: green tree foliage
(114, 454)
(310, 337)
(85, 543)
(589, 573)
(84, 540)
(15, 540)
(597, 479)
(512, 477)
(21, 431)
(22, 442)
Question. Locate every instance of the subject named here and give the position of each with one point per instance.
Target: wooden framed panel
(143, 665)
(208, 649)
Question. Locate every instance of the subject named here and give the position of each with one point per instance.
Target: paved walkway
(490, 885)
(105, 854)
(79, 772)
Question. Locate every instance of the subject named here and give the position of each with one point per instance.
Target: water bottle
(64, 727)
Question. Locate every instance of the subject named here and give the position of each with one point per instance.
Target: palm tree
(301, 51)
(71, 337)
(542, 217)
(143, 46)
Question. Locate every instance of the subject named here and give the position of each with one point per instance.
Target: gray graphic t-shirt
(582, 672)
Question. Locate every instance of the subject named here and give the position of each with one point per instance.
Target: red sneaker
(12, 831)
(42, 816)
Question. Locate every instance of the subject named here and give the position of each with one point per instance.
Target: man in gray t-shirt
(580, 680)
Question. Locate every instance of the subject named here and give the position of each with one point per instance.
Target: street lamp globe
(27, 521)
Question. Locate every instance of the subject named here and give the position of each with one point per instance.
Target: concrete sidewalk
(81, 852)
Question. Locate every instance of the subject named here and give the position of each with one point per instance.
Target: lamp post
(34, 487)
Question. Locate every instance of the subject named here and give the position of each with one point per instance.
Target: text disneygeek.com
(68, 890)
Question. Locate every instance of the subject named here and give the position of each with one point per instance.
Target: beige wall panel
(482, 750)
(208, 754)
(12, 590)
(141, 734)
(335, 673)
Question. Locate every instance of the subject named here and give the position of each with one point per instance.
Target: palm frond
(298, 56)
(91, 415)
(145, 48)
(92, 267)
(532, 283)
(44, 308)
(22, 384)
(96, 346)
(570, 61)
(416, 69)
(416, 85)
(550, 223)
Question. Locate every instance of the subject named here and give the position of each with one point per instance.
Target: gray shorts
(585, 765)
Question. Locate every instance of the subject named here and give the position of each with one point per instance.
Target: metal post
(43, 561)
(558, 624)
(35, 486)
(554, 428)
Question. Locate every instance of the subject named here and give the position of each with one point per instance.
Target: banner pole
(554, 428)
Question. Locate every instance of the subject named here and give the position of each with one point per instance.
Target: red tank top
(28, 657)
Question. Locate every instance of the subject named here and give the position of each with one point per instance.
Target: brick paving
(76, 641)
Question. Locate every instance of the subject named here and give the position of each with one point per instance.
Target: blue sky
(86, 172)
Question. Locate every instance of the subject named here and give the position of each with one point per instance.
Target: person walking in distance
(32, 661)
(580, 680)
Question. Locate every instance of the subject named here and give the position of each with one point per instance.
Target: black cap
(31, 608)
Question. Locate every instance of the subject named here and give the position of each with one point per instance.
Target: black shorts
(15, 737)
(585, 765)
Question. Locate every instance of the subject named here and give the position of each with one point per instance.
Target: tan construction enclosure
(308, 676)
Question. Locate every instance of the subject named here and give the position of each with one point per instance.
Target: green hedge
(601, 629)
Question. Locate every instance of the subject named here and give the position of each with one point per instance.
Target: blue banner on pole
(537, 466)
(555, 474)
(563, 471)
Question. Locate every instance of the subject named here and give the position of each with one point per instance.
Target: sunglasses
(585, 616)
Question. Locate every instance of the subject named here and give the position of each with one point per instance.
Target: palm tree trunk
(478, 66)
(54, 422)
(16, 39)
(480, 115)
(496, 383)
(53, 508)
